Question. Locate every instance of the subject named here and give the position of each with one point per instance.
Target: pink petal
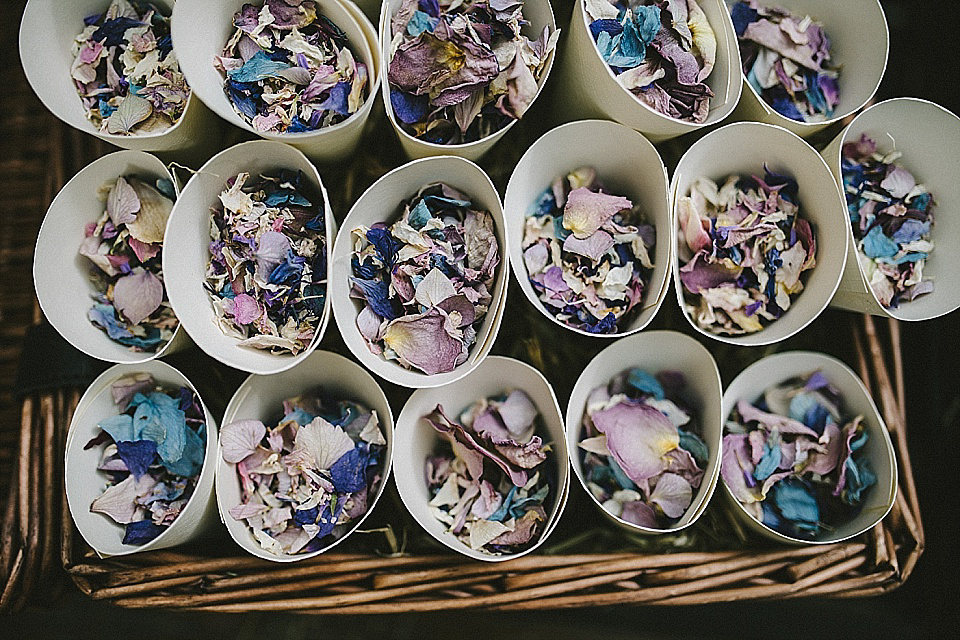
(899, 182)
(518, 412)
(586, 211)
(771, 421)
(693, 225)
(735, 466)
(673, 494)
(240, 438)
(593, 246)
(272, 248)
(126, 387)
(638, 437)
(640, 513)
(422, 342)
(138, 295)
(143, 250)
(122, 203)
(246, 309)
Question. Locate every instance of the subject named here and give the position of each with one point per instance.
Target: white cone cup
(382, 203)
(261, 398)
(84, 483)
(539, 13)
(654, 352)
(47, 32)
(415, 439)
(200, 30)
(778, 368)
(628, 165)
(929, 137)
(363, 15)
(61, 274)
(187, 251)
(860, 42)
(592, 90)
(742, 148)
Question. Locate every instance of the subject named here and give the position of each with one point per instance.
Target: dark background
(924, 62)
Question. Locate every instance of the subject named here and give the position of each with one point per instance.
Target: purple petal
(593, 246)
(272, 249)
(143, 250)
(698, 274)
(423, 342)
(640, 513)
(586, 211)
(735, 467)
(673, 494)
(466, 442)
(824, 463)
(246, 309)
(771, 421)
(899, 182)
(240, 438)
(638, 436)
(122, 203)
(138, 295)
(518, 412)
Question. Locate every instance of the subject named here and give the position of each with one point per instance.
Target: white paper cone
(654, 352)
(186, 252)
(84, 483)
(62, 276)
(261, 398)
(860, 41)
(47, 32)
(538, 13)
(200, 30)
(743, 148)
(416, 439)
(382, 203)
(627, 164)
(776, 369)
(929, 137)
(590, 89)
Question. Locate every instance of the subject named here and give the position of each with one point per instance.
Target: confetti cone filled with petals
(426, 280)
(641, 454)
(662, 52)
(488, 480)
(126, 71)
(794, 458)
(290, 69)
(744, 247)
(588, 253)
(123, 247)
(459, 72)
(267, 271)
(308, 479)
(891, 216)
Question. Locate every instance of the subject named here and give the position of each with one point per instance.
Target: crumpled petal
(586, 211)
(638, 437)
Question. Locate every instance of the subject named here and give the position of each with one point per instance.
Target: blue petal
(796, 503)
(327, 520)
(613, 27)
(504, 508)
(142, 532)
(377, 295)
(786, 107)
(306, 516)
(911, 230)
(409, 108)
(878, 245)
(337, 99)
(103, 316)
(137, 455)
(420, 22)
(257, 68)
(349, 472)
(770, 459)
(695, 447)
(419, 216)
(643, 381)
(119, 427)
(430, 7)
(386, 245)
(743, 14)
(112, 32)
(158, 417)
(191, 461)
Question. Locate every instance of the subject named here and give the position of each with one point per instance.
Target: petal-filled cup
(878, 450)
(539, 15)
(860, 42)
(382, 203)
(745, 148)
(62, 276)
(261, 398)
(415, 439)
(200, 30)
(591, 89)
(47, 31)
(929, 138)
(628, 165)
(187, 251)
(84, 483)
(655, 351)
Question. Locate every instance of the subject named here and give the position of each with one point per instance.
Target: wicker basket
(588, 563)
